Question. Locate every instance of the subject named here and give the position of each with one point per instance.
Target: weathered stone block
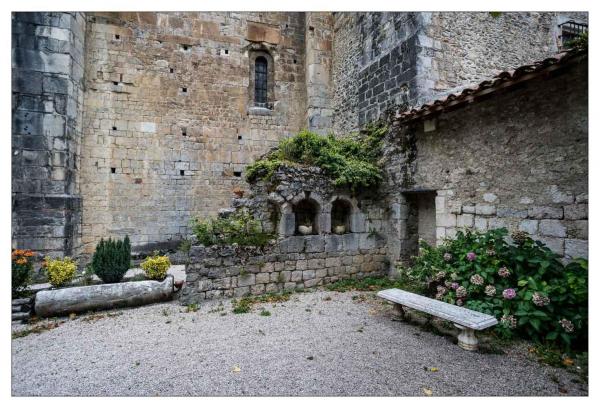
(241, 291)
(311, 283)
(576, 212)
(333, 261)
(529, 226)
(296, 276)
(481, 224)
(485, 209)
(246, 280)
(576, 248)
(316, 263)
(357, 222)
(552, 228)
(507, 212)
(465, 221)
(310, 274)
(556, 245)
(445, 220)
(333, 243)
(545, 212)
(351, 242)
(315, 243)
(262, 278)
(257, 289)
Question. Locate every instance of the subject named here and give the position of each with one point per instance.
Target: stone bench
(465, 319)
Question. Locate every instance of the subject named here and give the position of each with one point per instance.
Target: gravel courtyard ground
(320, 343)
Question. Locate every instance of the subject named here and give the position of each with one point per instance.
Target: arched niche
(341, 211)
(306, 215)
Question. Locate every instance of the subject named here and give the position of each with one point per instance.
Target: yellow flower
(60, 271)
(156, 267)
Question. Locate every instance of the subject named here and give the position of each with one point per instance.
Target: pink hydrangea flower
(477, 279)
(504, 272)
(540, 300)
(471, 256)
(567, 325)
(455, 285)
(509, 293)
(461, 291)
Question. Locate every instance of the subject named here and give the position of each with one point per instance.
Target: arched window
(306, 213)
(340, 216)
(260, 81)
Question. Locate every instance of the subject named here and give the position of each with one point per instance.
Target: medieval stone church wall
(169, 122)
(386, 60)
(47, 98)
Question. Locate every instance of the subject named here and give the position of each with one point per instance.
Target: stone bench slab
(456, 314)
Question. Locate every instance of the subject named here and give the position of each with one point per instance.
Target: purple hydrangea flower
(471, 256)
(454, 285)
(509, 293)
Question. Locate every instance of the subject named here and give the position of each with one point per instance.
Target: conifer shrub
(112, 259)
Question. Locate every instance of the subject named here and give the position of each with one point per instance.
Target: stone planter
(56, 302)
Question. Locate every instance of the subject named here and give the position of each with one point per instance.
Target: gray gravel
(308, 346)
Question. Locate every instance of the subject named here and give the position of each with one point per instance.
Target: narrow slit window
(260, 82)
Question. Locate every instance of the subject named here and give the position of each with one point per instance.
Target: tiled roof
(503, 80)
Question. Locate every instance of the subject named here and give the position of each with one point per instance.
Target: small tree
(112, 259)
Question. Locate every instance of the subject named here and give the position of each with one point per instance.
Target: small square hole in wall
(114, 128)
(171, 70)
(226, 52)
(295, 62)
(239, 137)
(115, 83)
(184, 90)
(311, 28)
(113, 170)
(286, 26)
(184, 47)
(237, 173)
(117, 37)
(183, 132)
(182, 172)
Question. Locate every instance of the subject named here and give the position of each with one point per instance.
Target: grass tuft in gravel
(244, 305)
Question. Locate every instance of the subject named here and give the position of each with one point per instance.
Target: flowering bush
(60, 271)
(523, 284)
(22, 268)
(156, 266)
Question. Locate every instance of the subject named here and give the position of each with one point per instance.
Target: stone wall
(390, 60)
(169, 126)
(296, 262)
(517, 160)
(47, 97)
(319, 33)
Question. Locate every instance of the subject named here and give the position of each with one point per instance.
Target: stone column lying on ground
(96, 297)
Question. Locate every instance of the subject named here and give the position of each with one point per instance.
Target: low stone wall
(295, 262)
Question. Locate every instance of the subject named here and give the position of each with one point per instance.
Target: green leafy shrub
(112, 259)
(238, 228)
(156, 266)
(524, 284)
(349, 160)
(60, 271)
(22, 269)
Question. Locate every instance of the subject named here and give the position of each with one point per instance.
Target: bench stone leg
(467, 339)
(399, 313)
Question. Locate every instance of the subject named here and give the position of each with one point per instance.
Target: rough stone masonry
(133, 123)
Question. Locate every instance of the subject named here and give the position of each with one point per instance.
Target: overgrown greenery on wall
(238, 228)
(350, 160)
(523, 283)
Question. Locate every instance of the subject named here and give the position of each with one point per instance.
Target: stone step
(20, 316)
(22, 301)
